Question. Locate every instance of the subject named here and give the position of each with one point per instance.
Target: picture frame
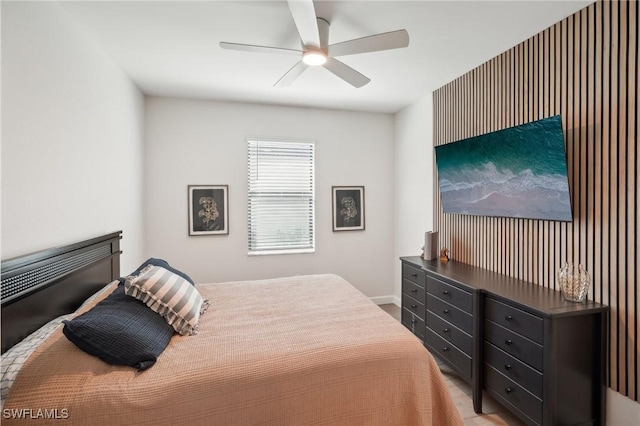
(208, 209)
(348, 208)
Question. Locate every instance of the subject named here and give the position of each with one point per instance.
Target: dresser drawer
(529, 326)
(445, 350)
(506, 391)
(450, 313)
(453, 295)
(413, 323)
(514, 369)
(520, 347)
(450, 333)
(412, 305)
(413, 274)
(413, 290)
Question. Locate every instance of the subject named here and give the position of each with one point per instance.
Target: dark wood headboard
(41, 286)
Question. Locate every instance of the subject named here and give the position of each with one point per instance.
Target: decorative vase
(574, 282)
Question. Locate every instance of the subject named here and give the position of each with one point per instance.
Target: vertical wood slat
(613, 196)
(622, 197)
(584, 68)
(633, 188)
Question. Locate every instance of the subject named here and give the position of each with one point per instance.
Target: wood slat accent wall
(584, 68)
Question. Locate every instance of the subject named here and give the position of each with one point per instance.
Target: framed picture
(208, 210)
(348, 208)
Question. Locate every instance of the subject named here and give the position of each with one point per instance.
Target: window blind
(281, 197)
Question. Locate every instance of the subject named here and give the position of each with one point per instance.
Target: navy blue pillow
(158, 262)
(120, 330)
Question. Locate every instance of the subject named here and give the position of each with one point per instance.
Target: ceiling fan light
(314, 57)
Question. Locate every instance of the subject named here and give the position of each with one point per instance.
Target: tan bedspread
(309, 350)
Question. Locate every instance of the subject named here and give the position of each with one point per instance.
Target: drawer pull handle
(414, 306)
(507, 366)
(508, 390)
(445, 349)
(508, 342)
(414, 275)
(446, 330)
(446, 311)
(445, 292)
(508, 317)
(414, 290)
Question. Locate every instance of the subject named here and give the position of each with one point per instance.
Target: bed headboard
(41, 286)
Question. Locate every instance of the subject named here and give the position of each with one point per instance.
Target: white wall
(413, 181)
(72, 137)
(201, 142)
(621, 411)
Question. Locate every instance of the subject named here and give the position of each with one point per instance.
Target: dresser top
(539, 299)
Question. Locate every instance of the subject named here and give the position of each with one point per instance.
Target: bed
(304, 350)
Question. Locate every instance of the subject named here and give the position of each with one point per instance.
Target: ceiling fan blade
(374, 43)
(304, 16)
(291, 75)
(260, 49)
(346, 73)
(323, 32)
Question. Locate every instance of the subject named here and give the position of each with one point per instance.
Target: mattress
(306, 350)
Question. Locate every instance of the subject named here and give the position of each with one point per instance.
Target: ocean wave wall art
(516, 172)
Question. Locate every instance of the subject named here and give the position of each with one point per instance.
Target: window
(281, 197)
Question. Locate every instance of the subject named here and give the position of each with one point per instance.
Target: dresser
(451, 325)
(540, 356)
(413, 299)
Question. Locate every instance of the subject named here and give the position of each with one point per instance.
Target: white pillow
(13, 360)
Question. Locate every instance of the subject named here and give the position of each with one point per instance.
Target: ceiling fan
(316, 50)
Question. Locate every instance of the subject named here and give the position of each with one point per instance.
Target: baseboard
(384, 300)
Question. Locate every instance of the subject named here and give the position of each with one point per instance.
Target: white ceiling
(171, 48)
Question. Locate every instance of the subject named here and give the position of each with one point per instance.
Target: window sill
(292, 251)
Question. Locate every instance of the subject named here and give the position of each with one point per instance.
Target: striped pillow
(170, 295)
